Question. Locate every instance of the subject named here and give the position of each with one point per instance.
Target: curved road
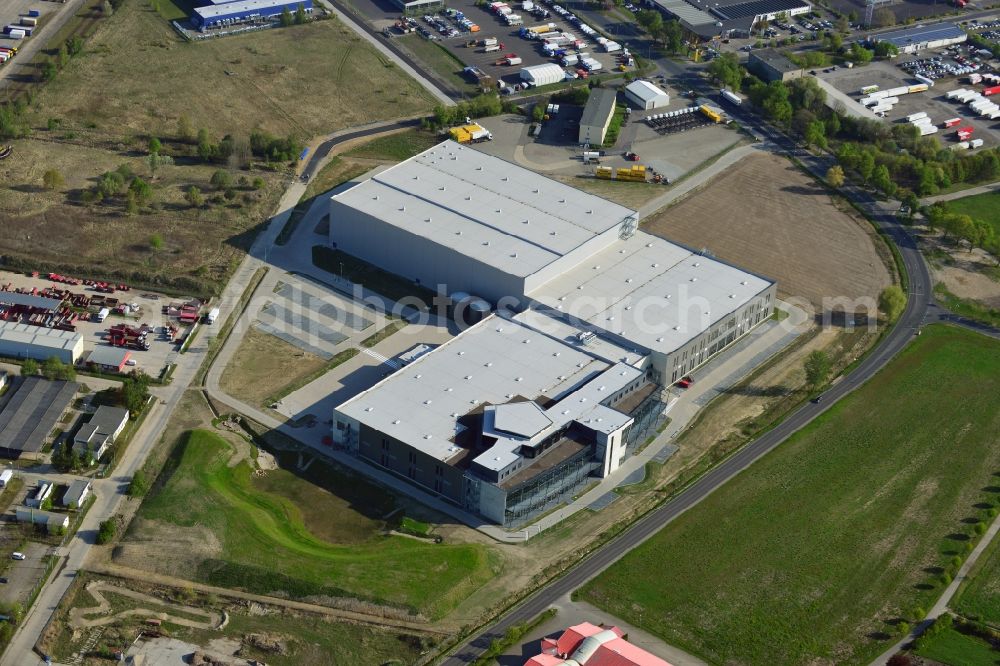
(920, 290)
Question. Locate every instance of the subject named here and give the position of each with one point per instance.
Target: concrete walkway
(941, 606)
(961, 194)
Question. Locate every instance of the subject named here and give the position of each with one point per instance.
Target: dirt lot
(138, 77)
(260, 358)
(765, 215)
(967, 274)
(52, 228)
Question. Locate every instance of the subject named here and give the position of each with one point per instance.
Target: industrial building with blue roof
(222, 14)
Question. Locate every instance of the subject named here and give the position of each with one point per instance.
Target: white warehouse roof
(650, 291)
(541, 75)
(645, 91)
(218, 9)
(485, 208)
(12, 333)
(493, 362)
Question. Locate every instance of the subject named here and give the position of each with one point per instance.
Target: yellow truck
(710, 113)
(472, 133)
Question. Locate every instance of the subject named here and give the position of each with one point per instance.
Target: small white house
(644, 95)
(77, 493)
(101, 431)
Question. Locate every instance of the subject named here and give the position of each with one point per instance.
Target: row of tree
(668, 33)
(481, 106)
(52, 369)
(959, 227)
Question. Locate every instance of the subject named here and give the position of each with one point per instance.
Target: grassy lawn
(263, 364)
(966, 307)
(397, 147)
(954, 648)
(298, 80)
(272, 538)
(985, 207)
(442, 64)
(815, 551)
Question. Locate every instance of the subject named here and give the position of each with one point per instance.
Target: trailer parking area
(462, 49)
(11, 12)
(933, 102)
(148, 310)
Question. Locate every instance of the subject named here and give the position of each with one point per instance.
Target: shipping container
(489, 41)
(867, 90)
(975, 78)
(916, 116)
(975, 143)
(962, 145)
(928, 129)
(924, 84)
(492, 48)
(991, 91)
(27, 20)
(34, 13)
(951, 122)
(513, 61)
(953, 94)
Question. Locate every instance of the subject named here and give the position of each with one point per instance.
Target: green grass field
(985, 207)
(397, 147)
(282, 533)
(954, 648)
(813, 553)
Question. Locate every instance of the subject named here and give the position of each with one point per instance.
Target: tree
(538, 112)
(134, 392)
(651, 20)
(139, 485)
(143, 191)
(52, 179)
(107, 9)
(258, 183)
(193, 196)
(29, 368)
(842, 24)
(859, 54)
(883, 18)
(62, 56)
(286, 17)
(886, 50)
(131, 204)
(883, 181)
(156, 242)
(300, 15)
(154, 145)
(106, 532)
(221, 179)
(74, 45)
(49, 70)
(866, 166)
(892, 301)
(835, 176)
(817, 367)
(899, 660)
(726, 70)
(54, 369)
(815, 134)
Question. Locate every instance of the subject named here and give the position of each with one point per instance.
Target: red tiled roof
(615, 652)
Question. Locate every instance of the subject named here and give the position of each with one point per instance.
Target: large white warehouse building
(596, 317)
(39, 343)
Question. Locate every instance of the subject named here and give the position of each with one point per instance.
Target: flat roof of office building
(922, 33)
(496, 362)
(485, 208)
(736, 9)
(650, 291)
(239, 7)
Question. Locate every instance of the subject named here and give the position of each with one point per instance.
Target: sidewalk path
(941, 606)
(961, 194)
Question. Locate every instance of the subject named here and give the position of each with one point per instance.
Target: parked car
(18, 556)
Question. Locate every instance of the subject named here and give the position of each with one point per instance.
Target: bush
(106, 532)
(139, 485)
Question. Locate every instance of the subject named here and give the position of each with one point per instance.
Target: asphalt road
(920, 291)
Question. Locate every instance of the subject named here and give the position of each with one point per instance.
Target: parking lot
(11, 12)
(933, 102)
(453, 34)
(148, 310)
(313, 319)
(21, 575)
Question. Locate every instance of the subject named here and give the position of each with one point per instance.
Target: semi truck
(212, 316)
(471, 133)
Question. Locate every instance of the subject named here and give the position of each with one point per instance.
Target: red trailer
(952, 122)
(964, 133)
(995, 90)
